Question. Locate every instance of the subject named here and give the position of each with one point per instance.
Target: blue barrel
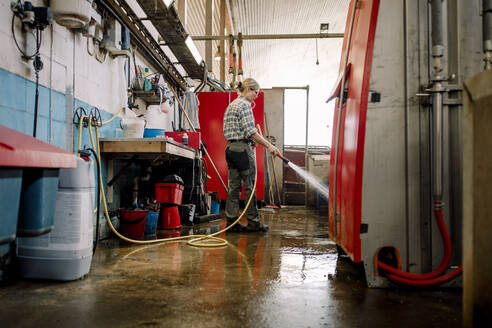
(38, 200)
(151, 223)
(10, 191)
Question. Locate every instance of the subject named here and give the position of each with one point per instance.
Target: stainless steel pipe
(437, 144)
(487, 32)
(437, 91)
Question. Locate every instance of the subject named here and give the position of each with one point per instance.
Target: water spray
(306, 176)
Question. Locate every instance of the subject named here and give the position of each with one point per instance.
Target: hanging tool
(273, 166)
(231, 51)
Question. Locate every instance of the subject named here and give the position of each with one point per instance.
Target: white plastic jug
(132, 127)
(155, 118)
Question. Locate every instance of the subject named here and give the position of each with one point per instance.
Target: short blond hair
(248, 83)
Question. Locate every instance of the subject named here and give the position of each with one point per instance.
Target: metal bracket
(364, 228)
(453, 90)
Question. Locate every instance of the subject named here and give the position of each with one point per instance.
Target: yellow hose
(114, 116)
(196, 240)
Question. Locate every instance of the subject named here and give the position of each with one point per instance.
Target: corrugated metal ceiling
(264, 58)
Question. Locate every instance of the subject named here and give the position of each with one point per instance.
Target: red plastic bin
(171, 193)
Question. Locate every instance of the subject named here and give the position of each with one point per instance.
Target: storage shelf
(150, 97)
(145, 148)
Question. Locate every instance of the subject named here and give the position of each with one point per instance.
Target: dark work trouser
(241, 163)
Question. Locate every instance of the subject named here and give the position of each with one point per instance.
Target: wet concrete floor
(288, 277)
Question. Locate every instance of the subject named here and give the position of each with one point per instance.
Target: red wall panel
(211, 115)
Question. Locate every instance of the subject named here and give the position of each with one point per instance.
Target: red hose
(445, 260)
(429, 282)
(431, 278)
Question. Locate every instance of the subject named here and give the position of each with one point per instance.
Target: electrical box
(116, 38)
(112, 35)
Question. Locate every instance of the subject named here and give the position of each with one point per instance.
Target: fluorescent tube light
(168, 3)
(194, 51)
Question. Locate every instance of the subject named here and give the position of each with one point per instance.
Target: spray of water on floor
(310, 179)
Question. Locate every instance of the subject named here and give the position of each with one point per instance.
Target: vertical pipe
(487, 32)
(437, 104)
(339, 119)
(437, 142)
(437, 34)
(222, 42)
(209, 16)
(307, 145)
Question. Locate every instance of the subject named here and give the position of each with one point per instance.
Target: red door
(211, 115)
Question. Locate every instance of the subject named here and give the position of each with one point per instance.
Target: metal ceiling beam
(150, 49)
(270, 36)
(170, 28)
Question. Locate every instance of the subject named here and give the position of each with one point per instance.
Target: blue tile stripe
(17, 112)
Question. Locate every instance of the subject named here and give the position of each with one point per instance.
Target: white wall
(66, 61)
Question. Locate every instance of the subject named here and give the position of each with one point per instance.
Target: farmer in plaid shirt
(241, 135)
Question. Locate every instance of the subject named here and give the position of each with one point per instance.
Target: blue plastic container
(153, 133)
(37, 201)
(10, 191)
(214, 207)
(151, 223)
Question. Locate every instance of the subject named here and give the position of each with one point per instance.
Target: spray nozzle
(286, 161)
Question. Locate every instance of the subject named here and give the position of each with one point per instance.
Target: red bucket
(132, 223)
(169, 218)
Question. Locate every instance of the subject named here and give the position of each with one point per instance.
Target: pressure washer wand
(286, 161)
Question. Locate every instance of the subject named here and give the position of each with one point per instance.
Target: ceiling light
(194, 51)
(168, 3)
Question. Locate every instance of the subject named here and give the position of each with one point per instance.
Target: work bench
(145, 148)
(153, 149)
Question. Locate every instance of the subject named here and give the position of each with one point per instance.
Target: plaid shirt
(239, 122)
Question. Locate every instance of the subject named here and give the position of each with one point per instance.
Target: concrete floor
(289, 277)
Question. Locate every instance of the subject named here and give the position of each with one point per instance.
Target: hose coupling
(438, 204)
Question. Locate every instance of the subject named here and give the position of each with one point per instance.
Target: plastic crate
(171, 193)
